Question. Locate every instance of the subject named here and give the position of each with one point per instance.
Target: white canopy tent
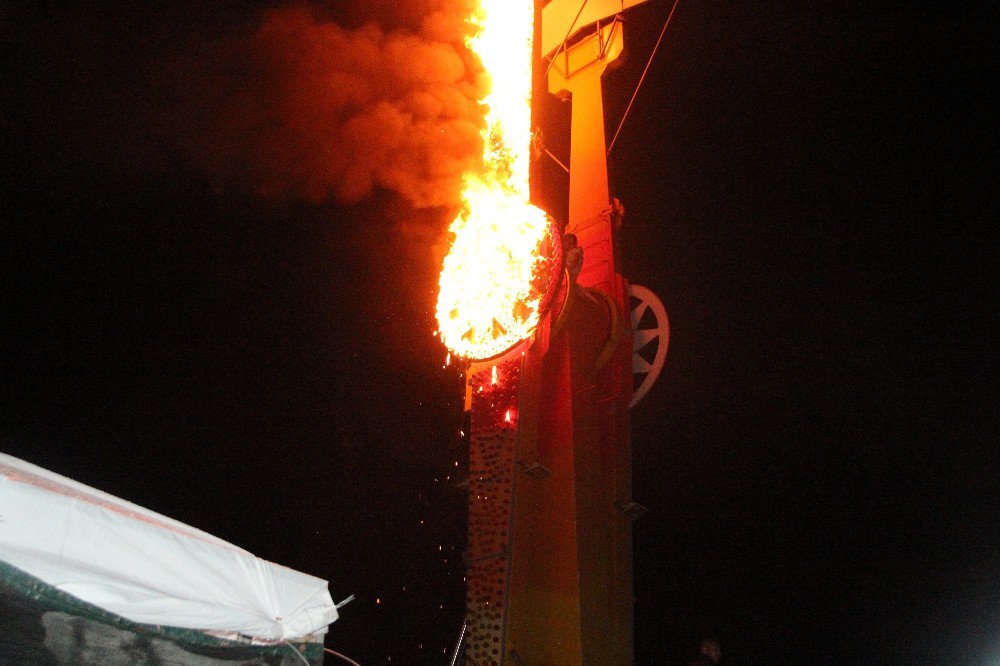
(148, 568)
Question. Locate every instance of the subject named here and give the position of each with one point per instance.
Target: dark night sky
(807, 189)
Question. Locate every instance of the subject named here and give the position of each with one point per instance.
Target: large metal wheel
(649, 343)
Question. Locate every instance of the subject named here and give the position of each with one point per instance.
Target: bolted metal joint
(536, 470)
(632, 510)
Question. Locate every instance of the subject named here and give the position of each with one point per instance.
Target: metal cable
(643, 77)
(556, 159)
(344, 657)
(298, 654)
(458, 646)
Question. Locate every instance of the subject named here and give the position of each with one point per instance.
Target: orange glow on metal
(490, 297)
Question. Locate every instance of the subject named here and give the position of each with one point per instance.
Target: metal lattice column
(491, 492)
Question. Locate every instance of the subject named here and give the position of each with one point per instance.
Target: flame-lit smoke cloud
(303, 107)
(323, 101)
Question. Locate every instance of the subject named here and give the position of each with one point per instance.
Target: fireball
(504, 250)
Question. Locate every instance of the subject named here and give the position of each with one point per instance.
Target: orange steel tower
(550, 534)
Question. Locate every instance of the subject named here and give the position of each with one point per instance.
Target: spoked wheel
(650, 337)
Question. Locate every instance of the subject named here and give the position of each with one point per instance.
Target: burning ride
(551, 361)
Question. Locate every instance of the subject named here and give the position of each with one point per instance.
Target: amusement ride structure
(549, 330)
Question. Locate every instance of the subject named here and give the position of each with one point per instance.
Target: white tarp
(147, 567)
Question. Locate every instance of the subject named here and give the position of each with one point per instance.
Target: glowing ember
(498, 268)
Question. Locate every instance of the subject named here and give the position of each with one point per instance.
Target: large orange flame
(492, 282)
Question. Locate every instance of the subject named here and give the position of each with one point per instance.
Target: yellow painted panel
(558, 17)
